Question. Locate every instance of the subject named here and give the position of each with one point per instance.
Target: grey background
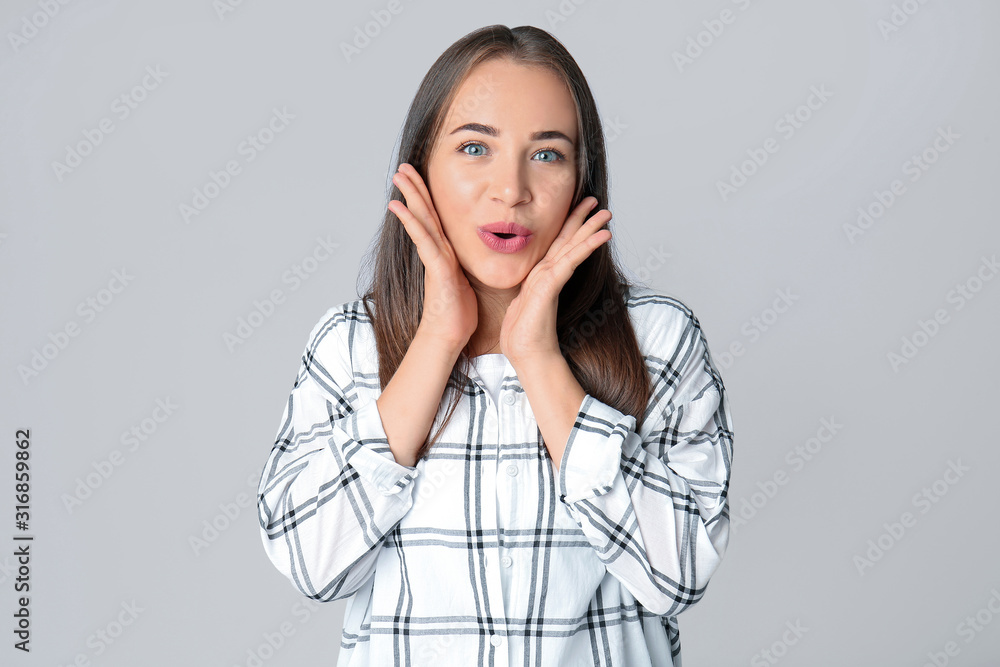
(674, 133)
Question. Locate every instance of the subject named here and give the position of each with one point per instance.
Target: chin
(500, 280)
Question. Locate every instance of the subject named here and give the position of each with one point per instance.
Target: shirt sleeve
(653, 503)
(331, 489)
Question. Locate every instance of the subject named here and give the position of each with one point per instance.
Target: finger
(561, 270)
(416, 181)
(590, 228)
(570, 226)
(417, 205)
(410, 171)
(574, 257)
(427, 248)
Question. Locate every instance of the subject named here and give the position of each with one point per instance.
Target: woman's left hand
(529, 327)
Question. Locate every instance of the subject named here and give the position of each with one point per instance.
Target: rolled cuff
(592, 458)
(367, 451)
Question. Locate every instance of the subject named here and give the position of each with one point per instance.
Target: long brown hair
(595, 334)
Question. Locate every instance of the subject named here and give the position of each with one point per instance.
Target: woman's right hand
(450, 311)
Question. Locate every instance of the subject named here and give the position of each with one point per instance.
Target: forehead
(513, 96)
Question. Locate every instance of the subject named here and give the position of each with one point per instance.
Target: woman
(504, 453)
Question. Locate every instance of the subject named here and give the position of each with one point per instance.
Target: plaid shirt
(484, 553)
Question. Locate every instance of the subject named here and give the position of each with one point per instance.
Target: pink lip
(488, 233)
(505, 227)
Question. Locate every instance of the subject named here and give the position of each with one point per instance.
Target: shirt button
(511, 470)
(509, 399)
(506, 560)
(496, 640)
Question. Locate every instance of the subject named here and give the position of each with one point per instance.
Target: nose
(509, 182)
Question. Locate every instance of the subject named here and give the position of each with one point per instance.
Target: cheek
(557, 193)
(454, 204)
(462, 187)
(454, 191)
(558, 209)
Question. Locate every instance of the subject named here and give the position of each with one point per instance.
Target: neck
(492, 306)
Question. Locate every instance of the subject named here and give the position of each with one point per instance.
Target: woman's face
(506, 154)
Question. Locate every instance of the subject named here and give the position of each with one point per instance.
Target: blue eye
(555, 155)
(470, 144)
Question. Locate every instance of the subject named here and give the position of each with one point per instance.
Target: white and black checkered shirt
(483, 553)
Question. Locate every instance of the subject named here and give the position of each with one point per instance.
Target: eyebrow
(543, 135)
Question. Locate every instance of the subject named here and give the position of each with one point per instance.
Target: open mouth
(505, 242)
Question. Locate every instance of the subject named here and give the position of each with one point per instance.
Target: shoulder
(342, 330)
(654, 313)
(669, 332)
